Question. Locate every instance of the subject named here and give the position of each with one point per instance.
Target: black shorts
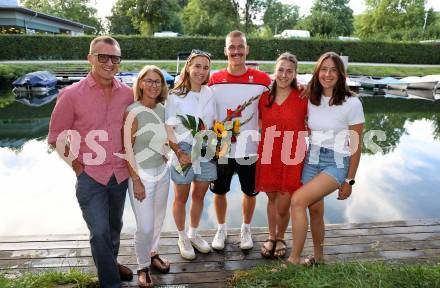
(246, 175)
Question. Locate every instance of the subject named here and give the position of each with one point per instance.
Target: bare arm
(184, 159)
(355, 147)
(128, 139)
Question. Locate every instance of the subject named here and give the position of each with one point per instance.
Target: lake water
(402, 181)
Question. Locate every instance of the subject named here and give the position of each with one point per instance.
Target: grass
(354, 274)
(73, 278)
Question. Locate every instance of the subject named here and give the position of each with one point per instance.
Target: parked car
(293, 34)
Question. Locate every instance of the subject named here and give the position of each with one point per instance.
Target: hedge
(23, 47)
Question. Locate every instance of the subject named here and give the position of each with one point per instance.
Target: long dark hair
(183, 86)
(340, 91)
(273, 92)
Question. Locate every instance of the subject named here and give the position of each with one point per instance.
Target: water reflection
(38, 195)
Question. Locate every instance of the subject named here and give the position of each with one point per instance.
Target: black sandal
(162, 267)
(267, 253)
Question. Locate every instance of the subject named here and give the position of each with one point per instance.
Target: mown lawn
(347, 275)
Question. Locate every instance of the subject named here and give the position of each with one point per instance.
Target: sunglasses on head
(103, 58)
(197, 52)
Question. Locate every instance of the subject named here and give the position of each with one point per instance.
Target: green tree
(386, 16)
(157, 15)
(120, 22)
(329, 18)
(75, 10)
(250, 11)
(209, 17)
(279, 17)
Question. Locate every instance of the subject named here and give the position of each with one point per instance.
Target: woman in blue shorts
(190, 97)
(335, 120)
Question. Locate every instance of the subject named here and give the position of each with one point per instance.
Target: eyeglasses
(103, 58)
(197, 52)
(151, 82)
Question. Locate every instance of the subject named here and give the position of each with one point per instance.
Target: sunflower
(236, 127)
(219, 129)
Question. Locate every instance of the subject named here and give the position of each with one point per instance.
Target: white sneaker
(186, 249)
(218, 243)
(200, 244)
(246, 242)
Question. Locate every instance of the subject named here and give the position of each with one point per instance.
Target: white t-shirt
(198, 104)
(329, 124)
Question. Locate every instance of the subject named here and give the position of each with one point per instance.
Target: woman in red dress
(281, 150)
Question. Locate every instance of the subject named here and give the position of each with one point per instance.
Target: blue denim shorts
(320, 159)
(207, 171)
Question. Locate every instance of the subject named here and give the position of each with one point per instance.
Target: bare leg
(181, 192)
(283, 206)
(198, 195)
(220, 204)
(248, 203)
(318, 229)
(313, 191)
(272, 214)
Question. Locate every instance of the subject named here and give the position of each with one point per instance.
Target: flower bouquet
(228, 129)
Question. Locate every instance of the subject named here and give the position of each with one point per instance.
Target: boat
(422, 83)
(38, 99)
(35, 83)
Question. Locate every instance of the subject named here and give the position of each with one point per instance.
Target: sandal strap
(156, 257)
(282, 241)
(147, 274)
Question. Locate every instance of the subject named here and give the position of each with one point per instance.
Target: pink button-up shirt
(82, 107)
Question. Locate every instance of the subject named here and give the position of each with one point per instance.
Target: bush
(137, 47)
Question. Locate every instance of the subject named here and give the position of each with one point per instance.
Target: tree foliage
(74, 10)
(120, 22)
(390, 16)
(209, 17)
(279, 17)
(329, 18)
(157, 15)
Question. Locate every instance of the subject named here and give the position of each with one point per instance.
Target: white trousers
(149, 213)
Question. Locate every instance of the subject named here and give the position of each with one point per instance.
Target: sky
(104, 6)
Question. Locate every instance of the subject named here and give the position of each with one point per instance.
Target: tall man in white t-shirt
(232, 87)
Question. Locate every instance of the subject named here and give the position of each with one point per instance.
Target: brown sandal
(144, 278)
(159, 264)
(265, 252)
(280, 252)
(310, 261)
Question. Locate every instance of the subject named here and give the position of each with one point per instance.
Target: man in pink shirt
(85, 128)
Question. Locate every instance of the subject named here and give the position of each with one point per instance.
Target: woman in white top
(335, 120)
(190, 97)
(144, 140)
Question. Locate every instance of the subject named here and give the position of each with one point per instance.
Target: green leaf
(185, 122)
(192, 122)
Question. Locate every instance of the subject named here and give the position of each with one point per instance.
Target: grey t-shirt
(150, 136)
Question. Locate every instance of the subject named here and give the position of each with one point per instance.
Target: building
(19, 20)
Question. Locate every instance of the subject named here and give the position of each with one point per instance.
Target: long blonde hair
(137, 90)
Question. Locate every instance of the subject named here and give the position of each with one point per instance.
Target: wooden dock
(398, 241)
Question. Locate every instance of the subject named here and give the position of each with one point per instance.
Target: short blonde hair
(106, 39)
(138, 92)
(234, 34)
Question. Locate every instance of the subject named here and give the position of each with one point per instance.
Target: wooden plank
(237, 255)
(373, 240)
(234, 231)
(234, 238)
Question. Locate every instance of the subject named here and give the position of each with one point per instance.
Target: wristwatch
(350, 181)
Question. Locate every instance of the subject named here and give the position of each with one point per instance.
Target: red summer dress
(282, 147)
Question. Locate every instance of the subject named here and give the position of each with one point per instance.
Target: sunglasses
(103, 58)
(151, 83)
(197, 52)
